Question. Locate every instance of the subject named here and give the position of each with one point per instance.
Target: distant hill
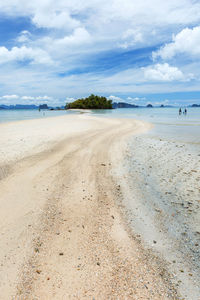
(91, 102)
(124, 105)
(162, 105)
(19, 106)
(24, 106)
(43, 106)
(195, 105)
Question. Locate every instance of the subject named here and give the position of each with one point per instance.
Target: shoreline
(161, 202)
(66, 235)
(29, 115)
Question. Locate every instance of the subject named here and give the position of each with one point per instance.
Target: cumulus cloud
(128, 21)
(24, 36)
(135, 99)
(43, 98)
(164, 72)
(164, 102)
(115, 98)
(186, 42)
(131, 37)
(27, 98)
(105, 26)
(35, 55)
(79, 36)
(59, 48)
(9, 97)
(16, 99)
(46, 13)
(55, 19)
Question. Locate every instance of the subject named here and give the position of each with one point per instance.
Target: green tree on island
(91, 102)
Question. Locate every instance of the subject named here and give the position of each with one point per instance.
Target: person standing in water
(180, 111)
(185, 111)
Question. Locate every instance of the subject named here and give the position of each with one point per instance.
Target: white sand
(22, 138)
(62, 234)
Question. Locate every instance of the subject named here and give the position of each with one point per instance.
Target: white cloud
(27, 98)
(60, 48)
(10, 97)
(16, 99)
(108, 22)
(69, 99)
(171, 11)
(131, 37)
(186, 42)
(93, 25)
(80, 35)
(135, 99)
(164, 72)
(23, 53)
(54, 19)
(24, 36)
(43, 98)
(115, 98)
(164, 102)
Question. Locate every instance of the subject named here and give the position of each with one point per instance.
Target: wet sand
(160, 183)
(63, 233)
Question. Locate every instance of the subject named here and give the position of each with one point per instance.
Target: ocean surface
(167, 121)
(10, 115)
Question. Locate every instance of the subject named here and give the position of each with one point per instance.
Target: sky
(127, 50)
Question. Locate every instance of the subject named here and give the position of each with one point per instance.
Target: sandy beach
(63, 235)
(160, 190)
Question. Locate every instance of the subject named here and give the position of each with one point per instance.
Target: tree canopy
(91, 102)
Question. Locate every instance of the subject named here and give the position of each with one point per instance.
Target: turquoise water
(28, 114)
(155, 115)
(168, 123)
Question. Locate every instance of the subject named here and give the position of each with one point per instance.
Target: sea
(167, 121)
(11, 115)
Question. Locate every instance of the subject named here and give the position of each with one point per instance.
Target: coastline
(62, 231)
(159, 178)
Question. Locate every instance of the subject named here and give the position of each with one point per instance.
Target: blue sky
(146, 52)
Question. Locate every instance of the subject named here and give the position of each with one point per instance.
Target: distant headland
(30, 106)
(91, 102)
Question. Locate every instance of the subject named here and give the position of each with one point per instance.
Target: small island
(149, 105)
(91, 102)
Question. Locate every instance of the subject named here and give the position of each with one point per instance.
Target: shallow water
(10, 115)
(184, 128)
